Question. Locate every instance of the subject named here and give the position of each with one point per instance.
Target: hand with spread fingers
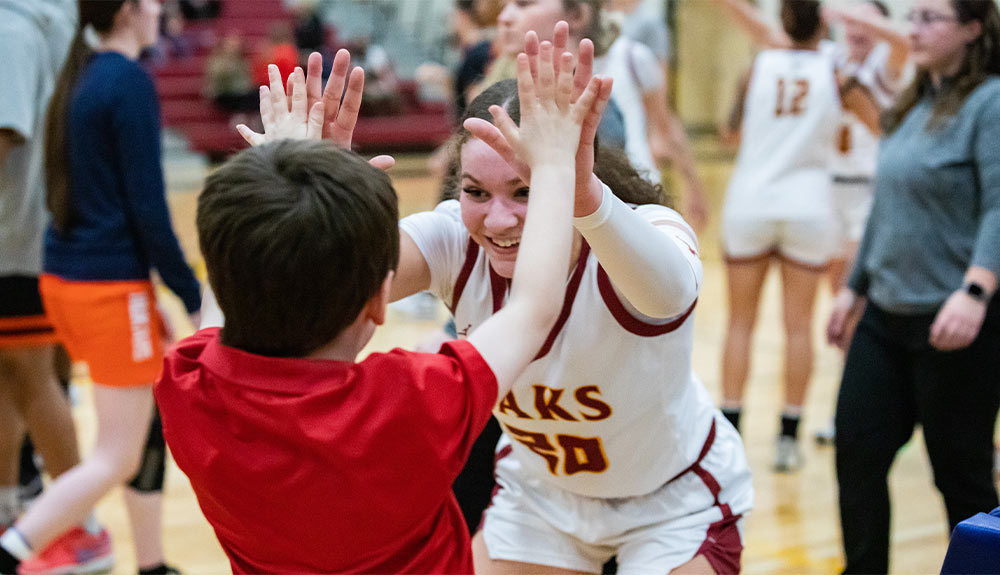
(588, 188)
(550, 121)
(305, 110)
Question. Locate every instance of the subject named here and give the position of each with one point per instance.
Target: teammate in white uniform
(779, 203)
(875, 54)
(611, 445)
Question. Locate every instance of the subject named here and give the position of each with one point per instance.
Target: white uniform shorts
(852, 198)
(700, 511)
(810, 242)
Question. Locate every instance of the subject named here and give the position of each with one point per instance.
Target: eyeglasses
(928, 17)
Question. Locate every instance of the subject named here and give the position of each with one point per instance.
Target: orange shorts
(22, 317)
(112, 325)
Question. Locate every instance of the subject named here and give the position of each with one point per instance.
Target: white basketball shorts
(811, 242)
(700, 511)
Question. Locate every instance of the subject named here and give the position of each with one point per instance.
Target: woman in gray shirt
(927, 348)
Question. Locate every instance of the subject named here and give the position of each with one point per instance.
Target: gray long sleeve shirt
(937, 206)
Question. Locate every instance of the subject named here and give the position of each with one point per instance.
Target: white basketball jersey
(791, 112)
(857, 146)
(610, 407)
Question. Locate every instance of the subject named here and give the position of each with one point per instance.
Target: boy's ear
(376, 307)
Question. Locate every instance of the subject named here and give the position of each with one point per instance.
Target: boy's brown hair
(297, 237)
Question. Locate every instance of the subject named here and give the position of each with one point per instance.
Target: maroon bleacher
(420, 126)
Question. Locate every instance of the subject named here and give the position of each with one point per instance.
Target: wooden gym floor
(794, 526)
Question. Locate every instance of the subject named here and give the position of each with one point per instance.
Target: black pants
(893, 380)
(474, 486)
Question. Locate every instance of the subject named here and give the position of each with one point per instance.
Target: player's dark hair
(610, 164)
(982, 59)
(297, 237)
(801, 19)
(100, 16)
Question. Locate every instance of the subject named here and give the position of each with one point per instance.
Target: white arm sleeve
(649, 253)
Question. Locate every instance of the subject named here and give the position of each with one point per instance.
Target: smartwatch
(975, 291)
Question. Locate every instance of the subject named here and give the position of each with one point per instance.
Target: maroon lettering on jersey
(583, 396)
(510, 404)
(548, 406)
(538, 443)
(582, 454)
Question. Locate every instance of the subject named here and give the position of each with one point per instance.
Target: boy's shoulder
(203, 352)
(456, 360)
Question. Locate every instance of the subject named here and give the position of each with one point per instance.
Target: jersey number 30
(576, 453)
(791, 99)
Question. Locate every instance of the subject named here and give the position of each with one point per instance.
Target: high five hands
(304, 110)
(588, 189)
(555, 103)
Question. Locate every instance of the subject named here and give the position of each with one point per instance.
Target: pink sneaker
(75, 551)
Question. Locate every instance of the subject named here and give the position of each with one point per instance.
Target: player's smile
(494, 202)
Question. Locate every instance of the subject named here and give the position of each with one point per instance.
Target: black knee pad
(149, 478)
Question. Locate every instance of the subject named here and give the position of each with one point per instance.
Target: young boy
(302, 459)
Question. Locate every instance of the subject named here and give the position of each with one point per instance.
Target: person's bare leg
(43, 406)
(484, 565)
(799, 285)
(145, 514)
(11, 434)
(123, 416)
(745, 280)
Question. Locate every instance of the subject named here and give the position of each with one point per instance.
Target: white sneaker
(788, 457)
(827, 435)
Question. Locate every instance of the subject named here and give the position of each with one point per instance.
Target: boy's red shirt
(311, 466)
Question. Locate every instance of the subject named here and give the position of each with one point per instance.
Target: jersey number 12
(791, 98)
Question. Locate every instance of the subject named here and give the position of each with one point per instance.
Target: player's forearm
(546, 241)
(642, 261)
(881, 27)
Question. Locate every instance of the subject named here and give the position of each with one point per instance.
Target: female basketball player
(611, 445)
(110, 225)
(779, 204)
(925, 349)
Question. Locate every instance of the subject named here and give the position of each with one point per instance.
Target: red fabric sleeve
(459, 392)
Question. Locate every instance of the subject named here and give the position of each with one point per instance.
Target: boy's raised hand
(307, 111)
(284, 116)
(582, 75)
(550, 121)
